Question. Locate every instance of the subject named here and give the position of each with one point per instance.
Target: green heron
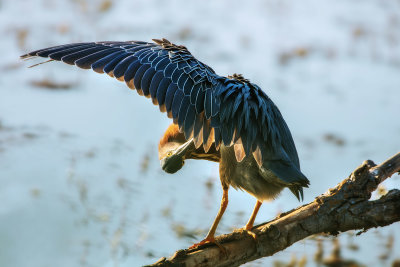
(223, 119)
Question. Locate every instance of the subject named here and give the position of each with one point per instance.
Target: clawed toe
(203, 242)
(209, 240)
(250, 233)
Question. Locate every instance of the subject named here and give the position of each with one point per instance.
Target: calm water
(81, 182)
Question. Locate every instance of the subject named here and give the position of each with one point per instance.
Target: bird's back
(260, 132)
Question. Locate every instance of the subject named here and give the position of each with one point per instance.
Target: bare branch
(345, 207)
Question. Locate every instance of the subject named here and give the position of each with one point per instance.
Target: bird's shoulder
(185, 61)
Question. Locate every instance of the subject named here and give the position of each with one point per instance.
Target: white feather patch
(257, 156)
(198, 140)
(239, 151)
(210, 140)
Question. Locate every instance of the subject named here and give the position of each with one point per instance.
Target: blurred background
(80, 176)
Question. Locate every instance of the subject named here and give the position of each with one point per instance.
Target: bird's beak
(181, 150)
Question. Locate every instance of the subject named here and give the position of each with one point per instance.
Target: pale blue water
(74, 190)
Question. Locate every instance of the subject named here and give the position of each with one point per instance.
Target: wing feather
(137, 80)
(155, 82)
(189, 120)
(146, 80)
(58, 53)
(87, 61)
(70, 58)
(98, 66)
(160, 89)
(176, 103)
(183, 109)
(109, 67)
(198, 130)
(127, 69)
(169, 95)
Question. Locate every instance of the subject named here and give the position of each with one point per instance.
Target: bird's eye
(183, 162)
(169, 154)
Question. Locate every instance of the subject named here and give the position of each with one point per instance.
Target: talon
(249, 232)
(209, 240)
(203, 242)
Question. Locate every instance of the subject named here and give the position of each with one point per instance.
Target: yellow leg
(250, 223)
(210, 238)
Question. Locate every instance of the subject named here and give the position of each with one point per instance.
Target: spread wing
(180, 84)
(208, 107)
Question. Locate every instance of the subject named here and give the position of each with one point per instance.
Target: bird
(224, 119)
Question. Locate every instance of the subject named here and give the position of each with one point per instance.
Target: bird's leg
(210, 238)
(249, 224)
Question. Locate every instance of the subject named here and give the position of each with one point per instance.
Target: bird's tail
(297, 190)
(290, 175)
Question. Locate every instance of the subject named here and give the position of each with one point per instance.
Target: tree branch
(345, 207)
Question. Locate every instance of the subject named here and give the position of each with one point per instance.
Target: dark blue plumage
(155, 83)
(146, 80)
(214, 108)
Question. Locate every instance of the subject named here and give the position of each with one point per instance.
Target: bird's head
(172, 149)
(172, 162)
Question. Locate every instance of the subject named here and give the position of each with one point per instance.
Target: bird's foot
(248, 230)
(251, 233)
(209, 240)
(203, 242)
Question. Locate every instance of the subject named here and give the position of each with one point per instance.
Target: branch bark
(345, 207)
